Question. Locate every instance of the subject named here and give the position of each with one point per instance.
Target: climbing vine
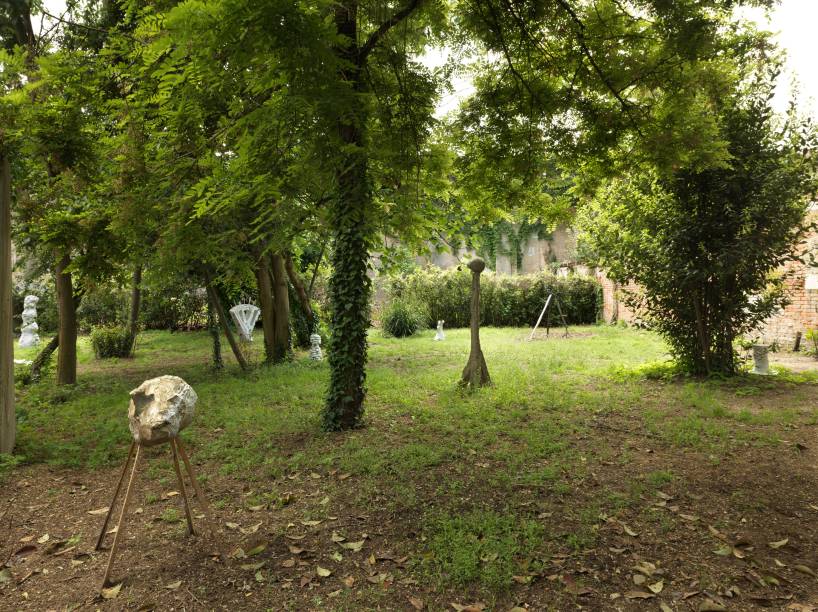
(489, 244)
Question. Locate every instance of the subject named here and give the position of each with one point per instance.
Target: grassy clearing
(475, 477)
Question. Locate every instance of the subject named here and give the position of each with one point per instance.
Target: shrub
(103, 307)
(506, 301)
(403, 317)
(812, 336)
(111, 341)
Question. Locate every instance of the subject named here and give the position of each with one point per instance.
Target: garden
(405, 305)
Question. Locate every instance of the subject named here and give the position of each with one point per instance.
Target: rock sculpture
(28, 332)
(439, 335)
(476, 373)
(245, 317)
(315, 347)
(160, 408)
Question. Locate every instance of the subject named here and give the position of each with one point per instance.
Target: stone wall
(537, 254)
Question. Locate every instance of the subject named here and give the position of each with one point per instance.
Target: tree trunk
(67, 355)
(213, 328)
(225, 325)
(136, 303)
(266, 301)
(300, 291)
(476, 373)
(8, 419)
(701, 332)
(281, 299)
(43, 356)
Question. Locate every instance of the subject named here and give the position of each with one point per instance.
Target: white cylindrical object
(761, 363)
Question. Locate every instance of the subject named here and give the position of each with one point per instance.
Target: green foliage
(403, 317)
(514, 301)
(112, 341)
(812, 336)
(104, 306)
(482, 547)
(704, 246)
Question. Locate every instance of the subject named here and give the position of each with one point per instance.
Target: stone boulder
(160, 408)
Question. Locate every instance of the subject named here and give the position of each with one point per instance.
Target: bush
(403, 318)
(506, 301)
(174, 308)
(111, 342)
(103, 307)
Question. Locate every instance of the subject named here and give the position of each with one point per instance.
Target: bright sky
(796, 24)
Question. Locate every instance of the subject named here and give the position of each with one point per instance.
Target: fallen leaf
(288, 563)
(323, 572)
(260, 577)
(294, 550)
(315, 475)
(779, 543)
(337, 557)
(628, 530)
(232, 526)
(5, 575)
(171, 494)
(295, 537)
(416, 603)
(805, 570)
(639, 579)
(664, 607)
(353, 546)
(656, 587)
(475, 607)
(689, 517)
(24, 551)
(343, 476)
(237, 553)
(255, 508)
(253, 567)
(311, 523)
(257, 550)
(43, 539)
(349, 581)
(338, 538)
(173, 585)
(27, 538)
(522, 579)
(252, 529)
(639, 595)
(99, 511)
(111, 592)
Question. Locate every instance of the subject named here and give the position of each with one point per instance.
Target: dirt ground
(745, 523)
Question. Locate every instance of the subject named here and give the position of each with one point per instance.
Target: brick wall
(802, 312)
(613, 306)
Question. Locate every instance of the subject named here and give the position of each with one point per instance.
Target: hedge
(506, 301)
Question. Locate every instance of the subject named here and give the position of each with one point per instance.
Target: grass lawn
(584, 477)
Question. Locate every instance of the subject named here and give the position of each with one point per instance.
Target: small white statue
(440, 335)
(315, 347)
(245, 317)
(761, 362)
(28, 332)
(160, 408)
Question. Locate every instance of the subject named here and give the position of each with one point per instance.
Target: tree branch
(382, 30)
(626, 106)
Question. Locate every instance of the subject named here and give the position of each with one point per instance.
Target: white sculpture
(315, 347)
(440, 335)
(160, 408)
(28, 332)
(245, 317)
(761, 359)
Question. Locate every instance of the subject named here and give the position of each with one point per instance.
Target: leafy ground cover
(587, 477)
